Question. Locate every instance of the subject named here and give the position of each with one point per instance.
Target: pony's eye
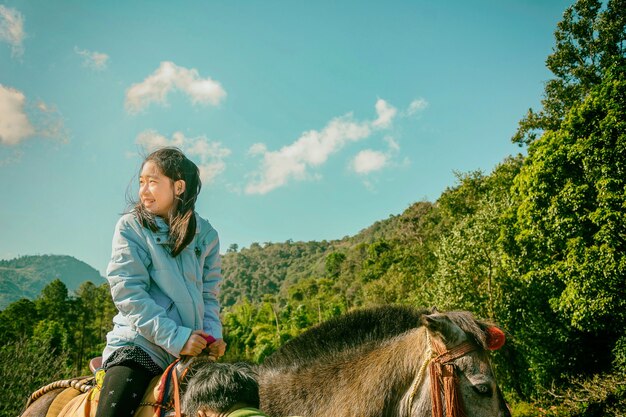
(483, 390)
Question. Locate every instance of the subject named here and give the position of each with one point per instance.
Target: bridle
(442, 372)
(175, 373)
(439, 361)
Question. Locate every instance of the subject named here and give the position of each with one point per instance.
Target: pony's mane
(364, 329)
(346, 332)
(475, 330)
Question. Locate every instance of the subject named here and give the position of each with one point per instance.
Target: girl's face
(156, 191)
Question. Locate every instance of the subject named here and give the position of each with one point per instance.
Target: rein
(172, 378)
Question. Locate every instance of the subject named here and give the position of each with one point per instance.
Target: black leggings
(122, 390)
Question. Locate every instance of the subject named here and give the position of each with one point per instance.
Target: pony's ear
(441, 324)
(433, 321)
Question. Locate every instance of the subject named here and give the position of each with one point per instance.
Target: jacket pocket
(172, 313)
(166, 303)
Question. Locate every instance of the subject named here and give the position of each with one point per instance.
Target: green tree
(103, 313)
(333, 264)
(469, 269)
(589, 41)
(53, 302)
(565, 245)
(51, 335)
(90, 311)
(17, 321)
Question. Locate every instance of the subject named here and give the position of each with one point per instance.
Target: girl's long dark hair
(182, 220)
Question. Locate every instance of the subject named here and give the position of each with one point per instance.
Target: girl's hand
(217, 348)
(195, 344)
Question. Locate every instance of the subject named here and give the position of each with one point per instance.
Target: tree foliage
(565, 241)
(469, 272)
(589, 41)
(25, 366)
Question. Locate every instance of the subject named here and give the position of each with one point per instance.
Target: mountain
(272, 268)
(26, 276)
(248, 273)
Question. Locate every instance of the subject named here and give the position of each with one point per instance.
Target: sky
(308, 120)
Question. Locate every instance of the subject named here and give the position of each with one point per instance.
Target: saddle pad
(80, 406)
(61, 400)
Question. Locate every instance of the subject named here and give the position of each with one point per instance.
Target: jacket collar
(164, 227)
(162, 234)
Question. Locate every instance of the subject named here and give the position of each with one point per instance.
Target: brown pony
(387, 361)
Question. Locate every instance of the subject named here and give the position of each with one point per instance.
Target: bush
(602, 395)
(25, 367)
(619, 353)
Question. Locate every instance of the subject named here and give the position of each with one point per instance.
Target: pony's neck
(372, 381)
(416, 395)
(417, 399)
(395, 370)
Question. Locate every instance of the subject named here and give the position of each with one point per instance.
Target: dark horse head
(386, 361)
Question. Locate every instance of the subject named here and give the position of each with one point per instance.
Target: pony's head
(461, 379)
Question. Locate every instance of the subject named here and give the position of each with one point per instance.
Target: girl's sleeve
(129, 280)
(211, 281)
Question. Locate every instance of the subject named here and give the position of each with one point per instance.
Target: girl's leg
(122, 390)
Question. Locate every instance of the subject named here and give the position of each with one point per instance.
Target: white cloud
(49, 122)
(14, 124)
(94, 60)
(312, 149)
(208, 155)
(168, 77)
(257, 149)
(12, 29)
(368, 161)
(393, 145)
(386, 113)
(21, 121)
(416, 106)
(151, 140)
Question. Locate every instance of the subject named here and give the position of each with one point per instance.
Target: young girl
(164, 276)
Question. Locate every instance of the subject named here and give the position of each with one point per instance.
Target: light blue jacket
(162, 299)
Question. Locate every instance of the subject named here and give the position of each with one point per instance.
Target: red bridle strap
(442, 372)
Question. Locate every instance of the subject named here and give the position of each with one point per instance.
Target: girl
(164, 276)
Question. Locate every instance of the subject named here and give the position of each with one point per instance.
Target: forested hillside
(537, 245)
(26, 276)
(272, 268)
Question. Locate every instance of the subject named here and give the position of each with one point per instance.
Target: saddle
(80, 396)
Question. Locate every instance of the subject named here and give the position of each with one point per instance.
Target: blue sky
(309, 120)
